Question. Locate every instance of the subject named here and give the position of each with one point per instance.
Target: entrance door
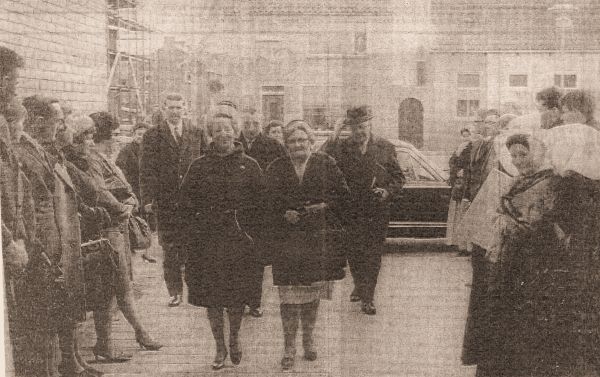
(410, 121)
(273, 107)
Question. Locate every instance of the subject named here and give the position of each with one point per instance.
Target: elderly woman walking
(305, 191)
(219, 202)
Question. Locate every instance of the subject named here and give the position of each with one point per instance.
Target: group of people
(227, 202)
(534, 304)
(65, 232)
(252, 197)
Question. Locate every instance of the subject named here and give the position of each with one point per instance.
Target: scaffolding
(129, 66)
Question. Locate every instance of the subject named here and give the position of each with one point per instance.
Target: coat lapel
(167, 135)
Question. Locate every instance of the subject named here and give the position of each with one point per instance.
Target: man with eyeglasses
(264, 150)
(371, 169)
(54, 299)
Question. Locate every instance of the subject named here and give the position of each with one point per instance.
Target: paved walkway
(421, 301)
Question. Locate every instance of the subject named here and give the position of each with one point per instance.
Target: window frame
(518, 86)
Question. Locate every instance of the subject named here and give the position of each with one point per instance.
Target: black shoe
(175, 301)
(310, 355)
(287, 362)
(354, 297)
(368, 308)
(256, 312)
(235, 353)
(219, 361)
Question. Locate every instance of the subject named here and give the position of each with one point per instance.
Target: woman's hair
(296, 125)
(515, 139)
(549, 97)
(579, 100)
(15, 112)
(105, 125)
(463, 130)
(80, 124)
(140, 125)
(273, 124)
(211, 122)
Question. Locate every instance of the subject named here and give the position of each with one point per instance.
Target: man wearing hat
(371, 169)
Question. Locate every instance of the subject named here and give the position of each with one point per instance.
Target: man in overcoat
(17, 206)
(54, 298)
(264, 150)
(167, 151)
(370, 166)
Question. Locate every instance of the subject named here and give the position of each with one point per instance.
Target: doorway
(272, 107)
(410, 121)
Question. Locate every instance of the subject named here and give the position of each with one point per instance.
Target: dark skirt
(220, 272)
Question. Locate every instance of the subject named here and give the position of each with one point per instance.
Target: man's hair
(15, 111)
(549, 97)
(9, 60)
(465, 130)
(579, 100)
(39, 106)
(173, 97)
(105, 124)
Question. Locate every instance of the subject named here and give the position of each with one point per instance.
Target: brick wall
(63, 43)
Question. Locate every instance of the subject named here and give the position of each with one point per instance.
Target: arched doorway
(410, 121)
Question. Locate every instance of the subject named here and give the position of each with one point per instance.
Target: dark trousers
(476, 318)
(174, 260)
(254, 299)
(364, 259)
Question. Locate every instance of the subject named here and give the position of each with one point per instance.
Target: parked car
(421, 211)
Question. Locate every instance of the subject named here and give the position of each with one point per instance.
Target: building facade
(425, 67)
(64, 46)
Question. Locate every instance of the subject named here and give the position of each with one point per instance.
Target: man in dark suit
(167, 151)
(264, 150)
(371, 169)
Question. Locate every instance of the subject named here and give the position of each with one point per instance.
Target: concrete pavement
(421, 300)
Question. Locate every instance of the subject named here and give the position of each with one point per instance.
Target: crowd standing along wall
(63, 43)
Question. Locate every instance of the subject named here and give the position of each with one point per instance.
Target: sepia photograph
(319, 188)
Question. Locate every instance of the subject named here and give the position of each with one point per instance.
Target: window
(321, 106)
(421, 78)
(468, 80)
(565, 81)
(517, 81)
(333, 43)
(467, 107)
(412, 169)
(360, 42)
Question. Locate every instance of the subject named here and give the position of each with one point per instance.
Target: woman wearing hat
(370, 167)
(306, 192)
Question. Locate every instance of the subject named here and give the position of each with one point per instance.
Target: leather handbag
(100, 264)
(139, 233)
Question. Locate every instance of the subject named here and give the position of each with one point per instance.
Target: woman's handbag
(100, 263)
(139, 233)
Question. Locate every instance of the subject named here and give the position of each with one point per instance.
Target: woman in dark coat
(219, 202)
(544, 292)
(305, 192)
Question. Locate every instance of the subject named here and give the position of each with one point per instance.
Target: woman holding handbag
(116, 197)
(305, 191)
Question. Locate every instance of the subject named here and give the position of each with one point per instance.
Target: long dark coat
(545, 293)
(163, 163)
(57, 230)
(263, 149)
(128, 161)
(366, 218)
(310, 250)
(219, 202)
